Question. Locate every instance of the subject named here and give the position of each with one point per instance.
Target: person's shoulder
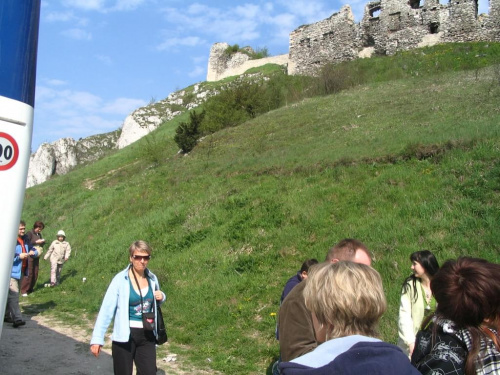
(296, 293)
(124, 272)
(151, 275)
(384, 357)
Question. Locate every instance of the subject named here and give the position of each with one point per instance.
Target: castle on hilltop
(387, 26)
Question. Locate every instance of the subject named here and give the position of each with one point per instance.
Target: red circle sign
(9, 151)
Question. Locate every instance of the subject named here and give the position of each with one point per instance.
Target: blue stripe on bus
(19, 20)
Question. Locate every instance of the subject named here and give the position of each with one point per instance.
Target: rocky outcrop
(59, 157)
(146, 119)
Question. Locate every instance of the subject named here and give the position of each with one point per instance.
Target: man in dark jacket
(295, 325)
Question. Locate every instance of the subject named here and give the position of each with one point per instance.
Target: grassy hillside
(403, 165)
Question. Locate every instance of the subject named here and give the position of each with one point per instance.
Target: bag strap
(140, 292)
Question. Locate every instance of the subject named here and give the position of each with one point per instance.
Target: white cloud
(78, 34)
(107, 60)
(200, 59)
(123, 106)
(245, 23)
(198, 71)
(308, 11)
(60, 16)
(55, 82)
(190, 41)
(81, 126)
(104, 5)
(85, 4)
(127, 4)
(77, 114)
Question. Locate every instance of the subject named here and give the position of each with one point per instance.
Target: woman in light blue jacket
(131, 294)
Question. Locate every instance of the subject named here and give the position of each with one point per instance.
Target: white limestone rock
(42, 165)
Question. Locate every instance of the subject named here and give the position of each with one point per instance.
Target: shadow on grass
(36, 308)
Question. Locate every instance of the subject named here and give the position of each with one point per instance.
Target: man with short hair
(19, 268)
(295, 322)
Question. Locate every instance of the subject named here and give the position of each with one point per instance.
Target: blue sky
(98, 60)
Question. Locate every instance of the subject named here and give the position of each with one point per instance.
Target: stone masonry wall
(389, 26)
(220, 65)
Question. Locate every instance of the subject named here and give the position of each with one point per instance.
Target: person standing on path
(35, 238)
(131, 302)
(59, 252)
(19, 268)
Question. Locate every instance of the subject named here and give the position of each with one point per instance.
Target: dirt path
(46, 346)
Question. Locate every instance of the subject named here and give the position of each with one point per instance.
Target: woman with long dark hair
(462, 336)
(417, 300)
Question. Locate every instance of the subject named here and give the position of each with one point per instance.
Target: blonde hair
(347, 298)
(140, 246)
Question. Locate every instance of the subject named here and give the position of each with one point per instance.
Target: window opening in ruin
(483, 6)
(434, 27)
(369, 41)
(444, 2)
(415, 4)
(375, 12)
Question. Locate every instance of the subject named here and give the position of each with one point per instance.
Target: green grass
(401, 164)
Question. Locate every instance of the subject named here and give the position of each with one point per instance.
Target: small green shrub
(232, 49)
(258, 53)
(235, 104)
(187, 134)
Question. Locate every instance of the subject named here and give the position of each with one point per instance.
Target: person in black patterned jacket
(462, 336)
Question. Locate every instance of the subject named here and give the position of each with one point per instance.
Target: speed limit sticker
(9, 151)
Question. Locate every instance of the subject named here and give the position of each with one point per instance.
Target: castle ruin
(387, 26)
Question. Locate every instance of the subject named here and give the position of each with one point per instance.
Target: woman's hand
(158, 295)
(95, 349)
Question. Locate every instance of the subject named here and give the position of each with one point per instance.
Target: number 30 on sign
(9, 151)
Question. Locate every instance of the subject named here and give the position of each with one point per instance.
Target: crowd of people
(26, 263)
(449, 318)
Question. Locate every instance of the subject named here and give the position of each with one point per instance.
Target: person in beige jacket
(59, 252)
(417, 300)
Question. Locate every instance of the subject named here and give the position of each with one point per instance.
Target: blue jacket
(116, 305)
(17, 266)
(290, 284)
(362, 358)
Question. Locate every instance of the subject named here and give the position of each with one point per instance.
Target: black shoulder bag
(161, 338)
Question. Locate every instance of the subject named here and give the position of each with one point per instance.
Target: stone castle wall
(220, 65)
(387, 26)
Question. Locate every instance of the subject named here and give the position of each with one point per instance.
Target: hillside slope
(401, 165)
